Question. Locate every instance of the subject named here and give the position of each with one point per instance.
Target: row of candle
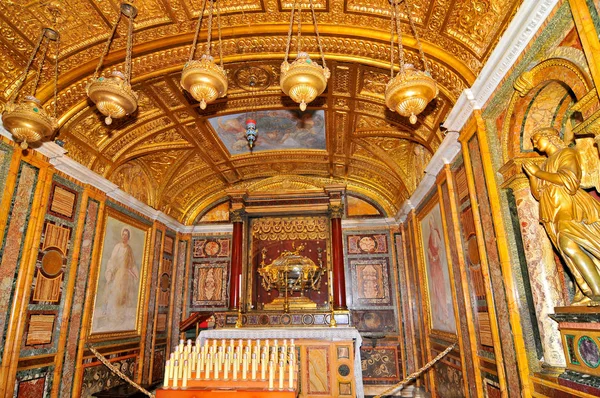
(211, 361)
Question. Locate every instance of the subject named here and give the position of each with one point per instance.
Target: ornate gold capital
(336, 211)
(237, 215)
(517, 182)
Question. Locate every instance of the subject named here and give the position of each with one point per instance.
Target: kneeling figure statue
(570, 215)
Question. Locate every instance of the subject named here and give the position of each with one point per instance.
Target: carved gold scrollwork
(299, 228)
(524, 83)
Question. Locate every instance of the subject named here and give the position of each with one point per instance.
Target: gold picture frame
(124, 240)
(435, 270)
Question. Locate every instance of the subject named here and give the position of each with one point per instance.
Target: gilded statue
(570, 215)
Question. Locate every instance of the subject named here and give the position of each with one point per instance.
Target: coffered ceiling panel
(169, 155)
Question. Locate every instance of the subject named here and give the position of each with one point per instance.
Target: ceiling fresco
(279, 130)
(182, 154)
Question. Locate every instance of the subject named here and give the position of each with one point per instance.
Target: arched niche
(543, 97)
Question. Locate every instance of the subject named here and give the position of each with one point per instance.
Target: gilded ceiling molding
(404, 135)
(366, 45)
(295, 182)
(381, 155)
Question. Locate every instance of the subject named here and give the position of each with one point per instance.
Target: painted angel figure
(570, 215)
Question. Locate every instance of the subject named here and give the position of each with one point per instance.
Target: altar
(329, 357)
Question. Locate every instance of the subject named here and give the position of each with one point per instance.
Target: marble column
(337, 258)
(543, 274)
(236, 260)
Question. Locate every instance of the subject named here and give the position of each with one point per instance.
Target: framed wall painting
(439, 293)
(121, 267)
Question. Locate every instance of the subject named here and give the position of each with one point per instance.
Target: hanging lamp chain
(299, 44)
(198, 25)
(399, 34)
(320, 44)
(107, 48)
(392, 33)
(128, 54)
(414, 29)
(219, 30)
(40, 68)
(21, 80)
(56, 77)
(55, 13)
(289, 38)
(210, 17)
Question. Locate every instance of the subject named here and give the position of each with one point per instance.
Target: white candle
(180, 372)
(271, 374)
(201, 359)
(245, 366)
(291, 372)
(199, 367)
(219, 358)
(166, 381)
(254, 366)
(175, 373)
(217, 368)
(235, 365)
(207, 367)
(281, 375)
(263, 366)
(185, 374)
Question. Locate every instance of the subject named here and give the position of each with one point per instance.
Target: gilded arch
(554, 74)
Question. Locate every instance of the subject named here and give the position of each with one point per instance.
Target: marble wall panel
(375, 321)
(97, 377)
(6, 152)
(178, 285)
(447, 199)
(448, 381)
(149, 338)
(497, 284)
(209, 273)
(79, 297)
(379, 364)
(12, 244)
(49, 285)
(33, 383)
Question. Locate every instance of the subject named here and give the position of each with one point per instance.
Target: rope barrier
(116, 371)
(416, 374)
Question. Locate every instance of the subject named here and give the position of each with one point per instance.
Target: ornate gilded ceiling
(168, 156)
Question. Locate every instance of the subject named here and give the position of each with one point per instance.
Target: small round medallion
(344, 370)
(367, 244)
(588, 351)
(165, 282)
(52, 262)
(211, 248)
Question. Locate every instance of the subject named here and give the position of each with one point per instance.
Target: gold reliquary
(289, 273)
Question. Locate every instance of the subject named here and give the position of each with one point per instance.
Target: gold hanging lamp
(204, 79)
(303, 80)
(27, 120)
(411, 90)
(113, 96)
